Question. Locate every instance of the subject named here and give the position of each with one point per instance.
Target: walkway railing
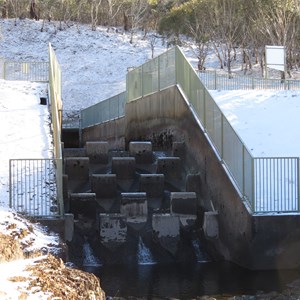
(214, 81)
(33, 187)
(36, 187)
(265, 184)
(103, 111)
(27, 71)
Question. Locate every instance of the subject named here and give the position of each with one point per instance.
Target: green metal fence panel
(150, 78)
(248, 178)
(183, 72)
(276, 184)
(167, 70)
(34, 190)
(134, 84)
(213, 122)
(197, 96)
(233, 153)
(103, 111)
(27, 71)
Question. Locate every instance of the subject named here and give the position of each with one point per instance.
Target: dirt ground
(48, 273)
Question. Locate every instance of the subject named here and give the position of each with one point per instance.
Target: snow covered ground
(267, 121)
(25, 126)
(25, 133)
(94, 65)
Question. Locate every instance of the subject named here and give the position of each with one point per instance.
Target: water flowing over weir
(144, 254)
(89, 259)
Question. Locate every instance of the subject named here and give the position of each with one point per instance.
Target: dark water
(188, 281)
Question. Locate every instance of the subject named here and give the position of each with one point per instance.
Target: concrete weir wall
(254, 242)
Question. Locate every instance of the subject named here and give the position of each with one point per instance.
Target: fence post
(10, 184)
(158, 73)
(4, 70)
(215, 79)
(222, 136)
(298, 189)
(253, 200)
(60, 187)
(142, 81)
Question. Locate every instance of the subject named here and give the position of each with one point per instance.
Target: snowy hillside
(94, 63)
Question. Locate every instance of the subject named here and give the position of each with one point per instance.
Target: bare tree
(114, 7)
(279, 23)
(227, 22)
(94, 12)
(15, 9)
(137, 13)
(33, 10)
(196, 26)
(4, 9)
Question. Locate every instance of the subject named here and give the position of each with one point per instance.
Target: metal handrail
(27, 71)
(215, 81)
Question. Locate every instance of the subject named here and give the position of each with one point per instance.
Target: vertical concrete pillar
(134, 207)
(77, 168)
(69, 227)
(123, 167)
(84, 204)
(153, 186)
(104, 185)
(113, 230)
(97, 152)
(169, 166)
(166, 231)
(184, 205)
(211, 224)
(141, 151)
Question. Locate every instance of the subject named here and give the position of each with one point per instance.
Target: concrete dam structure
(127, 193)
(120, 198)
(154, 174)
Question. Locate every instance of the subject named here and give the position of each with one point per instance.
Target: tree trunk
(126, 26)
(4, 10)
(33, 10)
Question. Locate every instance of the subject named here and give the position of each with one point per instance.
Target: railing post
(298, 187)
(10, 184)
(4, 70)
(222, 136)
(142, 81)
(243, 158)
(158, 73)
(60, 187)
(253, 200)
(215, 79)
